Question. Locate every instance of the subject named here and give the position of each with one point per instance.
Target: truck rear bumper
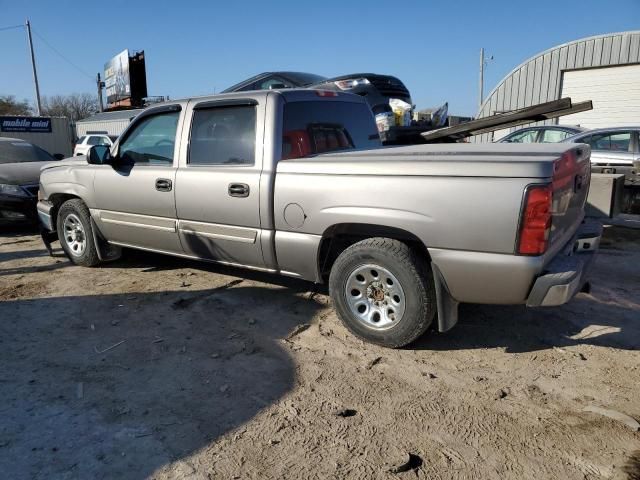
(565, 275)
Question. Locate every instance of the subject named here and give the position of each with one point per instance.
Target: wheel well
(339, 237)
(57, 199)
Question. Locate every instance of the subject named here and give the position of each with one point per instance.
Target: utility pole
(481, 84)
(33, 65)
(100, 85)
(483, 63)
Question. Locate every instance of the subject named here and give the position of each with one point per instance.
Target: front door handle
(238, 190)
(163, 185)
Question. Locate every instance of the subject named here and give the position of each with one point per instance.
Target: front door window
(152, 141)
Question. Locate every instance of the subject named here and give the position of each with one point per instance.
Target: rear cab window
(313, 127)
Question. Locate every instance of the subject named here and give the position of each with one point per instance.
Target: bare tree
(10, 106)
(75, 106)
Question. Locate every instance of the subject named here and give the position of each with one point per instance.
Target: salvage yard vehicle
(616, 150)
(20, 164)
(375, 88)
(295, 182)
(541, 134)
(85, 142)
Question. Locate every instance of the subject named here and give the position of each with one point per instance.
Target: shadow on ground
(78, 403)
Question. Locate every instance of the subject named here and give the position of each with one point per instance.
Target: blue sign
(25, 124)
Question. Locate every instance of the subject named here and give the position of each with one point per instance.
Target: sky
(198, 47)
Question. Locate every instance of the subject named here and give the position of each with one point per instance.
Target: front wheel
(75, 233)
(383, 292)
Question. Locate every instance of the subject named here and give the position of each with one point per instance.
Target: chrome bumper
(566, 273)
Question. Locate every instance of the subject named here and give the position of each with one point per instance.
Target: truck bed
(457, 160)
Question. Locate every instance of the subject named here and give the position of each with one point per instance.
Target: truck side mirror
(99, 155)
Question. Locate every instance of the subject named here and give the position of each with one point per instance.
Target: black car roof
(288, 75)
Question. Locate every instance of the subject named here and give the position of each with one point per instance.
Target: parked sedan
(619, 146)
(616, 150)
(376, 89)
(20, 164)
(84, 143)
(541, 134)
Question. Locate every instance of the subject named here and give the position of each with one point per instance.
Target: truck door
(217, 186)
(134, 195)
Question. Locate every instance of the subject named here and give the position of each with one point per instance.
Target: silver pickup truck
(296, 182)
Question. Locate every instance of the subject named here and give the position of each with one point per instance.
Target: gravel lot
(154, 367)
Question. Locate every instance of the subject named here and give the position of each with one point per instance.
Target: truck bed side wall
(477, 223)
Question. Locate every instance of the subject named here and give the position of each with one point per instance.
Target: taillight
(536, 220)
(326, 93)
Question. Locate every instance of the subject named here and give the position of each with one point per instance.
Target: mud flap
(447, 305)
(106, 251)
(47, 238)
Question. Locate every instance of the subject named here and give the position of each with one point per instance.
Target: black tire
(76, 209)
(412, 273)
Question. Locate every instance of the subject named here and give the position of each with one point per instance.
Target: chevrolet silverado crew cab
(296, 182)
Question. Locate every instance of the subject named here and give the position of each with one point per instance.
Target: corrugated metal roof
(107, 116)
(539, 79)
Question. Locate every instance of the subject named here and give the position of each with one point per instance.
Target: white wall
(614, 91)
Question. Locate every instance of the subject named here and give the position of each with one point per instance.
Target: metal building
(604, 69)
(111, 123)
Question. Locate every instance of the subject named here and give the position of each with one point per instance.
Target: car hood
(22, 173)
(67, 162)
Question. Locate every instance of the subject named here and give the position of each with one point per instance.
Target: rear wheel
(75, 233)
(383, 292)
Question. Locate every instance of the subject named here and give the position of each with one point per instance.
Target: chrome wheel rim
(74, 235)
(375, 297)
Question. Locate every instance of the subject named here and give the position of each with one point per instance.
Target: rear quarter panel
(460, 213)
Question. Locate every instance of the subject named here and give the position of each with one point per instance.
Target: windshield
(21, 152)
(303, 79)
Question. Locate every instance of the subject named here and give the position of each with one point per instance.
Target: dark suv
(376, 89)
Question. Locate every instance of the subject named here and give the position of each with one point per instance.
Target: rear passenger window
(223, 136)
(554, 136)
(325, 126)
(616, 142)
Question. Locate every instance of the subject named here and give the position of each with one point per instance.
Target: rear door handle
(238, 190)
(163, 184)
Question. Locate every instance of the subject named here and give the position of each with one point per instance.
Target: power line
(9, 28)
(62, 56)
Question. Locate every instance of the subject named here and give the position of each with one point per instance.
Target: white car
(85, 142)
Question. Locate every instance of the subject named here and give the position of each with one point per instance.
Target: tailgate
(571, 177)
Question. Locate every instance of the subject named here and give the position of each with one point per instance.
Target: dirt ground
(154, 367)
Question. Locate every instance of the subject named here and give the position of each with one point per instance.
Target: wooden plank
(528, 114)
